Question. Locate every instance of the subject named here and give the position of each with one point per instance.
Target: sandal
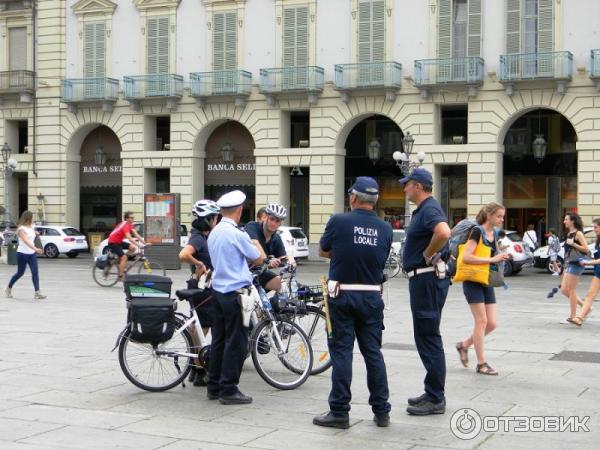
(463, 353)
(577, 321)
(485, 369)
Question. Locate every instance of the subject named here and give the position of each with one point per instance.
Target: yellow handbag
(478, 273)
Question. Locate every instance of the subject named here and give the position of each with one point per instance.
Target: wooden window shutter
(218, 27)
(17, 48)
(157, 32)
(231, 40)
(474, 29)
(94, 50)
(163, 45)
(513, 26)
(301, 36)
(378, 32)
(364, 32)
(444, 26)
(289, 37)
(152, 45)
(371, 31)
(225, 40)
(545, 26)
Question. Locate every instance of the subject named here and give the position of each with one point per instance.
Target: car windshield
(297, 234)
(515, 237)
(398, 237)
(71, 232)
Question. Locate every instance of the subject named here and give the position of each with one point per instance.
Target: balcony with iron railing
(556, 66)
(89, 90)
(297, 79)
(595, 67)
(235, 83)
(386, 76)
(467, 71)
(20, 82)
(138, 88)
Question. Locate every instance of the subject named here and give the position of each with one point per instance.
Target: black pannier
(101, 261)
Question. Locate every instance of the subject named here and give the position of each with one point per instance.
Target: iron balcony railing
(292, 79)
(532, 66)
(139, 87)
(595, 64)
(429, 72)
(16, 81)
(221, 82)
(74, 90)
(368, 75)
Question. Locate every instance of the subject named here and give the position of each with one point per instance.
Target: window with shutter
(513, 26)
(94, 50)
(17, 42)
(474, 29)
(545, 38)
(295, 47)
(157, 41)
(444, 25)
(224, 51)
(371, 41)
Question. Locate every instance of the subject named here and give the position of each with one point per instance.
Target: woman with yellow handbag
(476, 259)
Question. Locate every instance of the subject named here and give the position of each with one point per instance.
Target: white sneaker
(555, 274)
(38, 295)
(8, 293)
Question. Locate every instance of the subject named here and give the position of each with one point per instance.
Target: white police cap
(231, 199)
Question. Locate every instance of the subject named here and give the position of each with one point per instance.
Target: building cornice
(93, 6)
(155, 4)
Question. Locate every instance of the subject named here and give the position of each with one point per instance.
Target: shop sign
(101, 169)
(241, 167)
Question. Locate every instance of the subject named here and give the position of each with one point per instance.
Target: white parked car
(521, 254)
(102, 248)
(57, 239)
(398, 238)
(541, 259)
(295, 241)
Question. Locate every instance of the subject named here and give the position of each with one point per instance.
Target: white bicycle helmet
(276, 210)
(205, 208)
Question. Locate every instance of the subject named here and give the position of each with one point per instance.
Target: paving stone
(16, 429)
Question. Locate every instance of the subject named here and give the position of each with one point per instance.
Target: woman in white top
(26, 255)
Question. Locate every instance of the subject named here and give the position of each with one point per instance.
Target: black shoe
(192, 376)
(332, 421)
(236, 399)
(412, 401)
(201, 378)
(212, 396)
(427, 407)
(382, 420)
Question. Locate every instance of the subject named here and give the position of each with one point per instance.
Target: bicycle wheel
(157, 368)
(288, 367)
(106, 277)
(150, 267)
(314, 325)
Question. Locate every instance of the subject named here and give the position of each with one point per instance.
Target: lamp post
(403, 161)
(9, 167)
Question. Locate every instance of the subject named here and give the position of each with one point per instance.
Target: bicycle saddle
(185, 294)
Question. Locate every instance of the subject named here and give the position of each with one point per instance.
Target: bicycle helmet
(205, 208)
(276, 210)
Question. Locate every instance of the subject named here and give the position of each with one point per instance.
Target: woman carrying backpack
(481, 299)
(576, 251)
(595, 284)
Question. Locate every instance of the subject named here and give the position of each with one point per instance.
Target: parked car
(139, 227)
(541, 259)
(295, 241)
(57, 239)
(521, 254)
(398, 239)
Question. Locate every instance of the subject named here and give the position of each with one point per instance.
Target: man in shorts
(125, 230)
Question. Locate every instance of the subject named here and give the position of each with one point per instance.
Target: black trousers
(229, 345)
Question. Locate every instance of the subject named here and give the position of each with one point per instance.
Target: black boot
(332, 421)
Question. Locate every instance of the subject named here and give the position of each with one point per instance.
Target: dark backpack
(458, 236)
(151, 320)
(555, 246)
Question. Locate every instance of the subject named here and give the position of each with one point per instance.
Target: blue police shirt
(424, 220)
(360, 243)
(198, 241)
(275, 245)
(230, 250)
(597, 266)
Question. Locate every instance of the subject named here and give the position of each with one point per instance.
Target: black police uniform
(360, 243)
(427, 296)
(202, 302)
(274, 247)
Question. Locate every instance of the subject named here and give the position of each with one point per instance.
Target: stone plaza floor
(61, 387)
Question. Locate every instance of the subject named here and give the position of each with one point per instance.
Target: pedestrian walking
(358, 244)
(230, 251)
(425, 249)
(481, 298)
(553, 251)
(530, 238)
(594, 288)
(26, 255)
(576, 250)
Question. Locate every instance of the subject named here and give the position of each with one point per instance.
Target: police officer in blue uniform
(358, 244)
(230, 251)
(425, 251)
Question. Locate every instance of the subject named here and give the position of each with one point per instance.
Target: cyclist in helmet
(205, 213)
(265, 233)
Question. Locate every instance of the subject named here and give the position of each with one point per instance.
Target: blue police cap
(419, 175)
(365, 185)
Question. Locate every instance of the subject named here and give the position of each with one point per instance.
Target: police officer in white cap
(230, 251)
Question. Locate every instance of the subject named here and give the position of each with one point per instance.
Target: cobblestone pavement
(60, 385)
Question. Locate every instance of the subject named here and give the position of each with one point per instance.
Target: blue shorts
(478, 293)
(575, 269)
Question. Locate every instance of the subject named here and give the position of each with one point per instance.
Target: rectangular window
(530, 26)
(94, 50)
(17, 48)
(454, 121)
(163, 133)
(371, 31)
(459, 29)
(157, 42)
(295, 36)
(225, 41)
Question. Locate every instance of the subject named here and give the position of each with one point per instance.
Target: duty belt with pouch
(247, 299)
(334, 288)
(440, 269)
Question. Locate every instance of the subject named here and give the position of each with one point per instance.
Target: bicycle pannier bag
(101, 261)
(151, 320)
